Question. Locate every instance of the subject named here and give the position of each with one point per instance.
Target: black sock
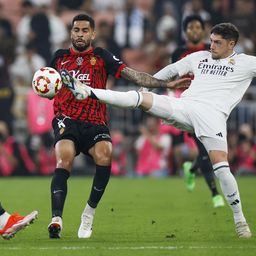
(99, 184)
(195, 165)
(2, 210)
(59, 191)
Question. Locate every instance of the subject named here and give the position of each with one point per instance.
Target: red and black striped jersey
(91, 68)
(183, 51)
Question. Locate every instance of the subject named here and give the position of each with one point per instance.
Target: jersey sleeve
(114, 66)
(253, 65)
(59, 53)
(180, 68)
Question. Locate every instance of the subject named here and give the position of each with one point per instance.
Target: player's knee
(146, 101)
(103, 158)
(65, 163)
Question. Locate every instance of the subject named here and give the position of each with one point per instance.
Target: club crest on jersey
(61, 130)
(79, 61)
(93, 61)
(231, 61)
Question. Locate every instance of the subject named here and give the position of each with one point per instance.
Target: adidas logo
(219, 134)
(205, 60)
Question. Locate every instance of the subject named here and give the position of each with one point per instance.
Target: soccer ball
(46, 82)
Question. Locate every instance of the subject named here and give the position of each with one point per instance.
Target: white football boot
(243, 230)
(80, 90)
(85, 229)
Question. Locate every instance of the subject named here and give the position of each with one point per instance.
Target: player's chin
(80, 47)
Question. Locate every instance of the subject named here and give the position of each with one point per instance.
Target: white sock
(230, 190)
(89, 210)
(130, 99)
(3, 219)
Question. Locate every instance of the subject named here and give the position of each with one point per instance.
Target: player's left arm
(117, 68)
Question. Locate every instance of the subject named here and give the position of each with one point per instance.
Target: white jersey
(218, 83)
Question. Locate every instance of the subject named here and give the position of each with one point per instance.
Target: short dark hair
(226, 30)
(84, 17)
(191, 18)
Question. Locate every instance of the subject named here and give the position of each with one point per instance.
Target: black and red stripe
(92, 68)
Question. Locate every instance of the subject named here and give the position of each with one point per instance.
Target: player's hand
(180, 83)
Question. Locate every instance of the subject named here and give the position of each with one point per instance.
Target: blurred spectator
(30, 61)
(246, 151)
(130, 26)
(102, 6)
(43, 28)
(70, 5)
(152, 150)
(105, 38)
(119, 160)
(244, 18)
(14, 157)
(196, 7)
(40, 144)
(7, 47)
(167, 25)
(216, 11)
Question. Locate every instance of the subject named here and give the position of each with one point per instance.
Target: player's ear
(93, 35)
(232, 44)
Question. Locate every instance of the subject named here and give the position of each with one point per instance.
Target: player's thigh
(161, 106)
(173, 110)
(101, 153)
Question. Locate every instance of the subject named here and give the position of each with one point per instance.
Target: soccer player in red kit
(193, 27)
(81, 126)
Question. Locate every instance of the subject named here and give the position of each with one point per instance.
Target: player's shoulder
(61, 52)
(243, 56)
(200, 54)
(106, 55)
(101, 52)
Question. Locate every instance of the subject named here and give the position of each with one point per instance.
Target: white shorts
(193, 116)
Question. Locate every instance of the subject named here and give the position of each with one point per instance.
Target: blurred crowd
(144, 33)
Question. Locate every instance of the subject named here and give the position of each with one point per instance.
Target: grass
(136, 217)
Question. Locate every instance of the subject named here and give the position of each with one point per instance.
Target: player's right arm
(145, 80)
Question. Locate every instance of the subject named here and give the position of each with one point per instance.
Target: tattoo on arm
(142, 79)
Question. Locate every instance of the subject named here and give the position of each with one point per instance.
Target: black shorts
(84, 134)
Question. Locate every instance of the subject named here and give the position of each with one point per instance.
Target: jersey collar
(74, 52)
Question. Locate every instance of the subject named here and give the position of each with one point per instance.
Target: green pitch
(136, 217)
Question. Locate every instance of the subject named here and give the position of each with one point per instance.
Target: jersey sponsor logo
(205, 60)
(84, 78)
(64, 62)
(213, 69)
(79, 61)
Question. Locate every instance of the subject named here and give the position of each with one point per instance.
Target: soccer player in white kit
(221, 77)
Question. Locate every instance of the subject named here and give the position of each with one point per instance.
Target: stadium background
(30, 31)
